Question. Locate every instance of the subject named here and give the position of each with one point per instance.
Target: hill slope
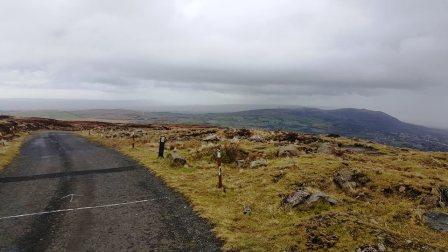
(373, 125)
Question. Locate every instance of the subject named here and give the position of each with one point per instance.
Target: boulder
(437, 221)
(307, 196)
(289, 150)
(176, 159)
(350, 179)
(258, 163)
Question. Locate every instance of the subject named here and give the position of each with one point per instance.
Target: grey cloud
(251, 48)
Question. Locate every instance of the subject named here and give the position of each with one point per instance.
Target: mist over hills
(26, 105)
(360, 123)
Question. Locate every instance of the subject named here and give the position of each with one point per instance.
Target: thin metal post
(133, 140)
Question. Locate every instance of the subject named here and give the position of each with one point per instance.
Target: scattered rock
(381, 247)
(286, 136)
(317, 240)
(350, 179)
(444, 195)
(431, 201)
(307, 139)
(307, 196)
(437, 221)
(317, 196)
(258, 163)
(402, 189)
(176, 159)
(367, 248)
(361, 148)
(277, 177)
(243, 132)
(325, 148)
(256, 138)
(239, 133)
(289, 150)
(333, 135)
(235, 140)
(247, 210)
(408, 191)
(212, 138)
(241, 163)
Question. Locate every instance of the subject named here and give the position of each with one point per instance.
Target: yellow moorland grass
(369, 217)
(10, 150)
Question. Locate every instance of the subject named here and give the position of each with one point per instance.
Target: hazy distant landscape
(361, 123)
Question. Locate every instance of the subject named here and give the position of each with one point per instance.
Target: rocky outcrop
(350, 179)
(306, 196)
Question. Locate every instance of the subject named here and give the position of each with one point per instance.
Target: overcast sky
(382, 55)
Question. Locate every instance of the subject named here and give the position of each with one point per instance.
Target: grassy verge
(366, 217)
(10, 150)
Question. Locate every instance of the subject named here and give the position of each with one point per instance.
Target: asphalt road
(65, 193)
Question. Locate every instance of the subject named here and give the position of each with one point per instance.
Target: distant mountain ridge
(360, 123)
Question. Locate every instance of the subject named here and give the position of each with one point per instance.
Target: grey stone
(258, 163)
(212, 138)
(289, 150)
(350, 179)
(325, 148)
(307, 196)
(437, 221)
(381, 247)
(247, 210)
(176, 159)
(256, 138)
(444, 195)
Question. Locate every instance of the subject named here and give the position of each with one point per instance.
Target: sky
(381, 55)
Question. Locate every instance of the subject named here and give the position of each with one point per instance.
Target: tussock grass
(367, 216)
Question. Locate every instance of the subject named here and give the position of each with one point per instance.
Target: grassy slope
(8, 152)
(355, 222)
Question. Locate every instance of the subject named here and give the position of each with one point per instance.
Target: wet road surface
(65, 193)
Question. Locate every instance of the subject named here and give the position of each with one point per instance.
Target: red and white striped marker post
(218, 163)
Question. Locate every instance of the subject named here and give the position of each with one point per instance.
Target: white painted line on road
(71, 196)
(75, 209)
